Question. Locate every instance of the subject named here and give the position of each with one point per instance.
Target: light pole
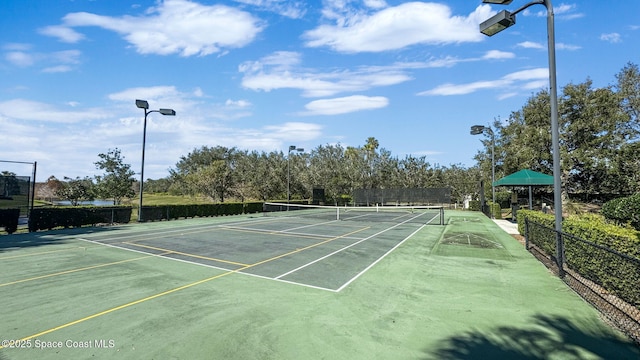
(291, 148)
(477, 130)
(144, 105)
(494, 25)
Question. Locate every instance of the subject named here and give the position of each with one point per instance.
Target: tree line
(600, 152)
(599, 133)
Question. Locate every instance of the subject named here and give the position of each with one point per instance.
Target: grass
(167, 199)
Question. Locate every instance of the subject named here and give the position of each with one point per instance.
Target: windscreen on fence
(402, 196)
(14, 192)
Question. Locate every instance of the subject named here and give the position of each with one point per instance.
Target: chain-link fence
(606, 278)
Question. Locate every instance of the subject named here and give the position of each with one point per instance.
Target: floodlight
(292, 147)
(497, 2)
(477, 129)
(497, 23)
(170, 112)
(142, 104)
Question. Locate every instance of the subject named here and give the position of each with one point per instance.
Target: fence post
(526, 233)
(560, 253)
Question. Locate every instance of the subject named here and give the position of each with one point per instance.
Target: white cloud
(396, 27)
(59, 61)
(528, 78)
(172, 27)
(563, 11)
(563, 46)
(20, 58)
(286, 8)
(345, 105)
(269, 74)
(65, 34)
(57, 69)
(497, 54)
(611, 37)
(531, 45)
(22, 109)
(237, 103)
(291, 131)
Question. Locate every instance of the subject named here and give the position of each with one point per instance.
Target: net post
(337, 213)
(442, 215)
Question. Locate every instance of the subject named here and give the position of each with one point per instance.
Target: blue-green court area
(252, 287)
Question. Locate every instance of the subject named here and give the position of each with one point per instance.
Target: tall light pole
(144, 105)
(477, 130)
(494, 25)
(291, 148)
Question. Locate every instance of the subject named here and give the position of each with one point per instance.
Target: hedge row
(589, 253)
(474, 205)
(625, 210)
(170, 212)
(9, 219)
(76, 216)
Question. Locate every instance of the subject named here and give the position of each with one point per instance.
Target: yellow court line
(43, 252)
(177, 289)
(185, 254)
(273, 232)
(308, 247)
(76, 270)
(124, 306)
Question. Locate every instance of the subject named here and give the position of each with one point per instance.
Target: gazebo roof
(525, 177)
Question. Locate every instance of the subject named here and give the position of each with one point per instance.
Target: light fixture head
(170, 112)
(292, 147)
(497, 2)
(300, 149)
(142, 104)
(497, 23)
(477, 129)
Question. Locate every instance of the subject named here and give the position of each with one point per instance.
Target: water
(94, 202)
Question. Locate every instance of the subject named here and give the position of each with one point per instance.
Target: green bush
(625, 210)
(171, 212)
(76, 216)
(495, 209)
(9, 219)
(587, 253)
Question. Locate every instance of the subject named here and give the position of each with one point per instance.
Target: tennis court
(282, 287)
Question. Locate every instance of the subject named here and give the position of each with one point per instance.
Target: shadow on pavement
(548, 337)
(43, 238)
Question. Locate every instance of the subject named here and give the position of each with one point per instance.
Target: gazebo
(528, 178)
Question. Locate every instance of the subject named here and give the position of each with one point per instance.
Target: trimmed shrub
(76, 216)
(9, 219)
(593, 250)
(625, 210)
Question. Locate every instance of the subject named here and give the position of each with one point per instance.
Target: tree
(595, 128)
(10, 184)
(218, 161)
(76, 190)
(49, 189)
(628, 87)
(117, 182)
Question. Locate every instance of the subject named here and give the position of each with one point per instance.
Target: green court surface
(252, 287)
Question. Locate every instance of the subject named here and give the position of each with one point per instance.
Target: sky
(266, 74)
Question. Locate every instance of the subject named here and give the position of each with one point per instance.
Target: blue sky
(266, 74)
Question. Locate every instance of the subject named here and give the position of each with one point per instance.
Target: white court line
(378, 260)
(278, 278)
(349, 246)
(210, 266)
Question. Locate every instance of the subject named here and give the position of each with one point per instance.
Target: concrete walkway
(509, 227)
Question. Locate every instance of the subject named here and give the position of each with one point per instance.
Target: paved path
(509, 227)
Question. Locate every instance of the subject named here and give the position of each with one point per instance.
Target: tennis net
(430, 215)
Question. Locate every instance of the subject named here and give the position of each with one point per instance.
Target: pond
(93, 202)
